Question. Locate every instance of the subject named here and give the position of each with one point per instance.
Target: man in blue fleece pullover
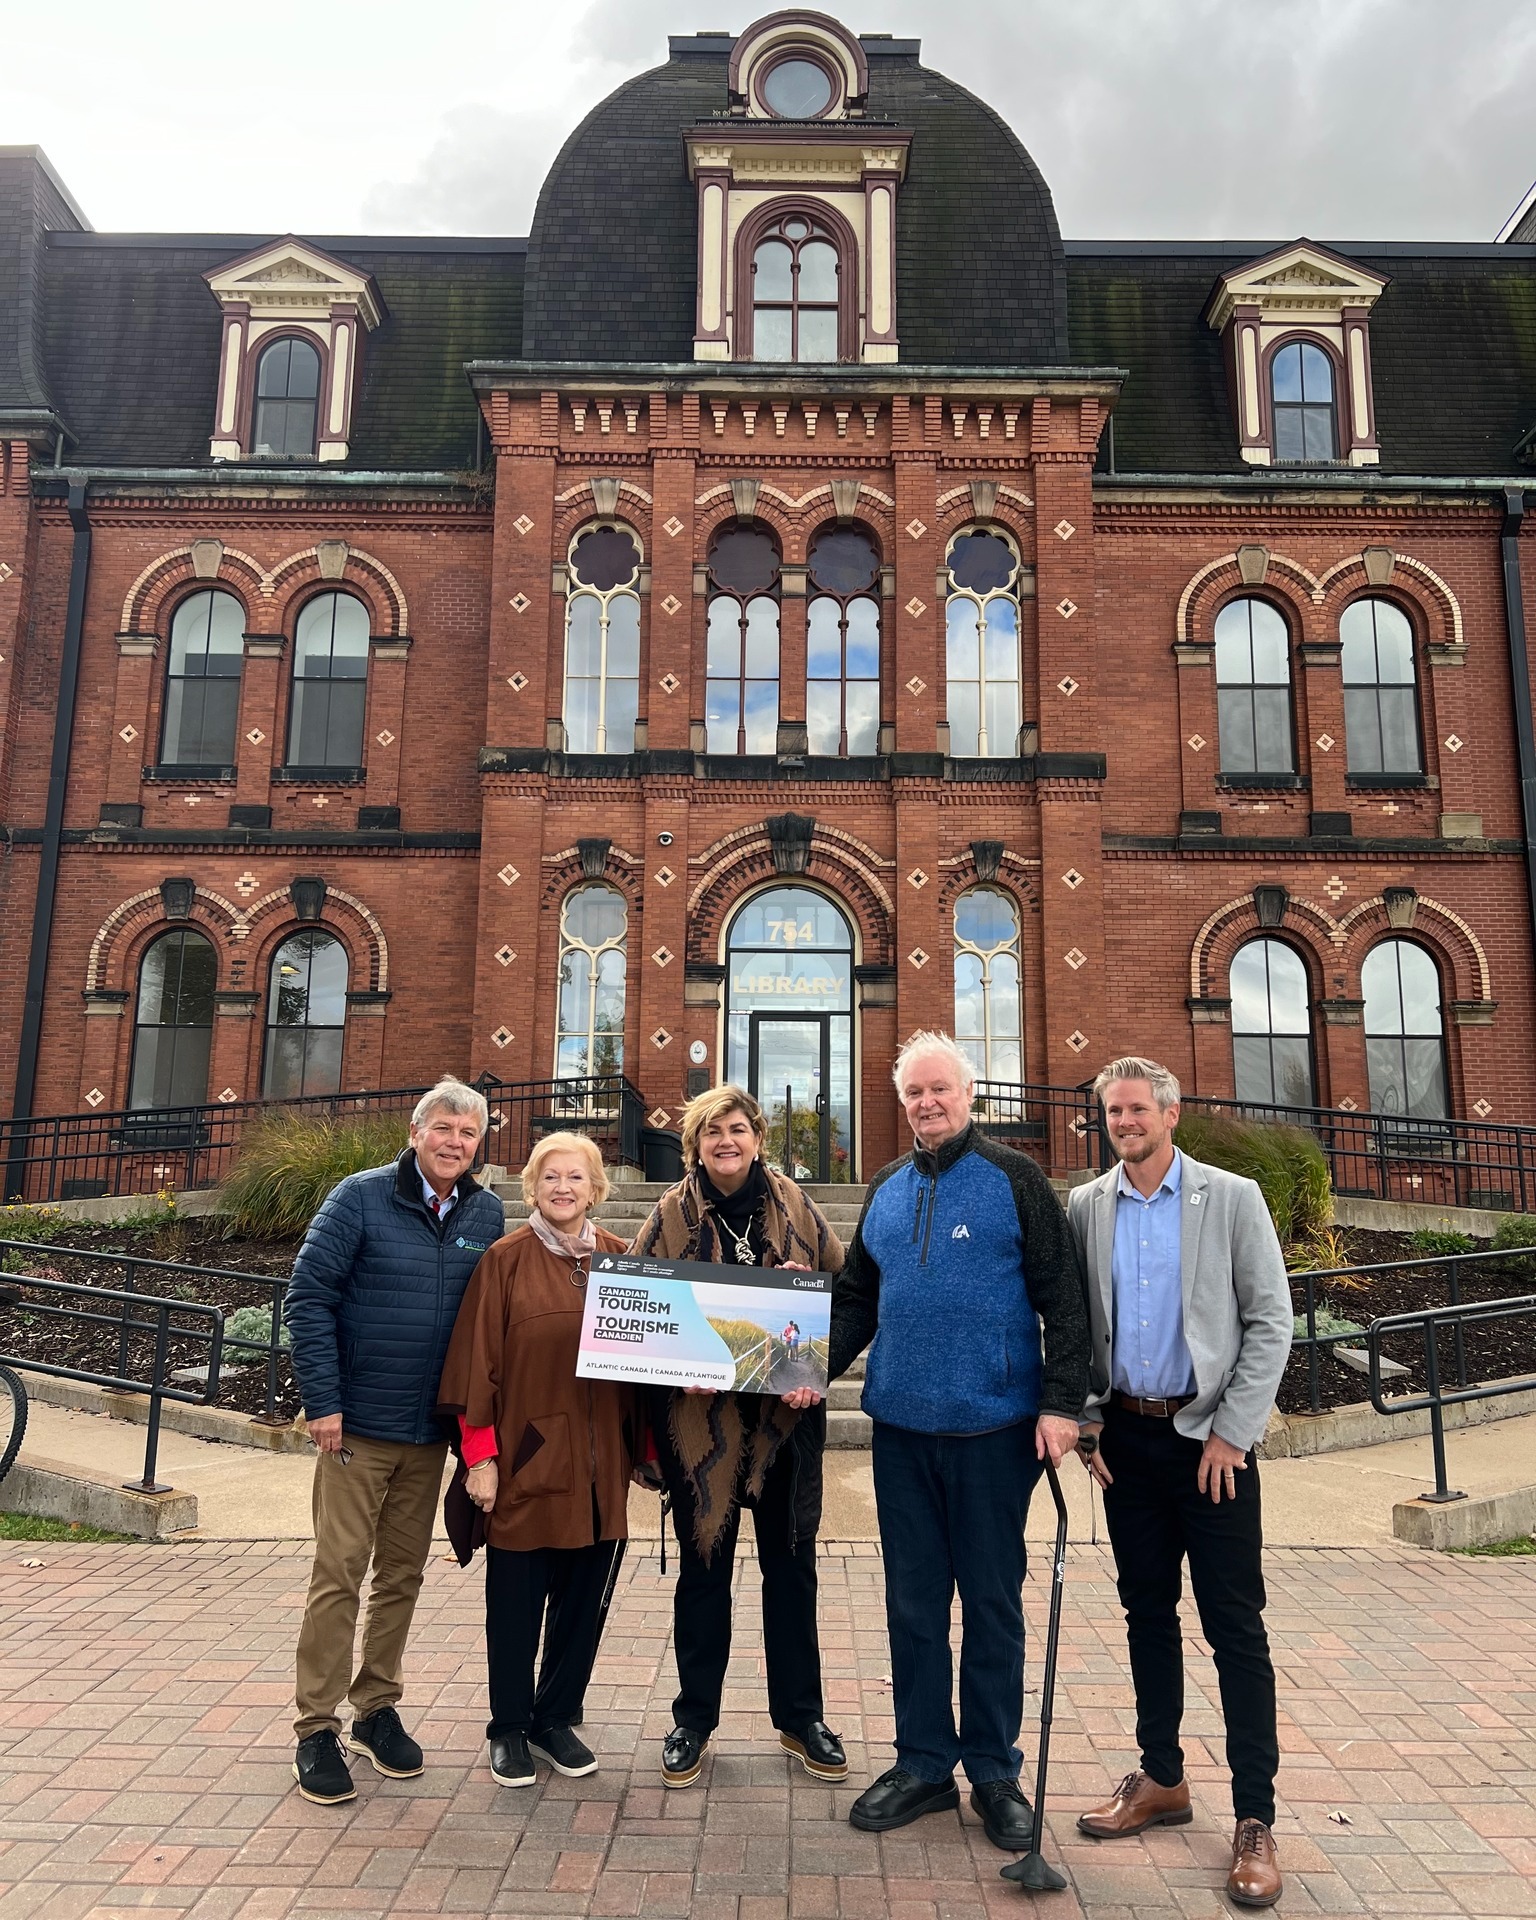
(961, 1262)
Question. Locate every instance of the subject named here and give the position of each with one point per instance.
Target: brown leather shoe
(1137, 1803)
(1255, 1877)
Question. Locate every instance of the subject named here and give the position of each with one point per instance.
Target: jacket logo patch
(470, 1246)
(961, 1233)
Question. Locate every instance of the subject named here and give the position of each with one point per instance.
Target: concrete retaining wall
(53, 1490)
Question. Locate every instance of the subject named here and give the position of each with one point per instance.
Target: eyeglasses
(344, 1455)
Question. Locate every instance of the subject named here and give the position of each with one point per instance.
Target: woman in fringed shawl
(720, 1452)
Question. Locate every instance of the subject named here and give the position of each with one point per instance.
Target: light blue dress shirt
(428, 1192)
(1151, 1358)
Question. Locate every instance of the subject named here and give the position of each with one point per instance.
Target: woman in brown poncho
(722, 1451)
(549, 1459)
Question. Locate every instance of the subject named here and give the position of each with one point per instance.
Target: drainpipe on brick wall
(53, 833)
(1520, 674)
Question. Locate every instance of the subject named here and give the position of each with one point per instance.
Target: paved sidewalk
(144, 1751)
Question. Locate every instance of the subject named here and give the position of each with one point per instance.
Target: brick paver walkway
(144, 1753)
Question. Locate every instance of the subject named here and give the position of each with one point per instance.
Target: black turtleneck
(739, 1211)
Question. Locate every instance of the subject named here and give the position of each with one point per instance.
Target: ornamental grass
(1287, 1163)
(288, 1162)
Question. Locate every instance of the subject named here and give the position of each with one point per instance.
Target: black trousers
(558, 1590)
(701, 1605)
(1157, 1518)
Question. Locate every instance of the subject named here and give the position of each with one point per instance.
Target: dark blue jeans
(952, 1510)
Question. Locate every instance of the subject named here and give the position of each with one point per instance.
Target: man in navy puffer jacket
(371, 1307)
(961, 1262)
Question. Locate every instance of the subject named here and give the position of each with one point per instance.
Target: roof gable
(1301, 278)
(290, 276)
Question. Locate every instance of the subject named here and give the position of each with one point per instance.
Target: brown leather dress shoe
(1136, 1804)
(1255, 1877)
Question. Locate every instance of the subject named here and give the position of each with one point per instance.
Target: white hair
(925, 1041)
(452, 1096)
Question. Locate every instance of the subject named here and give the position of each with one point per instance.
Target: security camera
(663, 839)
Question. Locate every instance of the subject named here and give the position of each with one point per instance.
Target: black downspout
(53, 832)
(1520, 673)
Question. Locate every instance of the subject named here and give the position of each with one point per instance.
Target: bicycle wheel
(13, 1418)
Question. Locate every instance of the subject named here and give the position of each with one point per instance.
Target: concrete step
(848, 1429)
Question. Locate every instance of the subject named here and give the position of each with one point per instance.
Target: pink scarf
(570, 1246)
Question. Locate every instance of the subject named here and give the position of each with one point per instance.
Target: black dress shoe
(511, 1762)
(898, 1798)
(1008, 1817)
(682, 1757)
(818, 1750)
(321, 1770)
(387, 1744)
(564, 1752)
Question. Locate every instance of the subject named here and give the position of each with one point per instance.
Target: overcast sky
(1242, 119)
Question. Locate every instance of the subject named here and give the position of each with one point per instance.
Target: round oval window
(797, 90)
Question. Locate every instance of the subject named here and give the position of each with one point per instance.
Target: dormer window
(287, 398)
(1296, 327)
(797, 88)
(795, 292)
(294, 323)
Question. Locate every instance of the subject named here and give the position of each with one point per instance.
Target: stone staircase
(625, 1210)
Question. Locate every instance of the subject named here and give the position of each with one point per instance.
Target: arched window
(602, 642)
(796, 275)
(330, 684)
(1404, 1031)
(306, 1017)
(988, 1020)
(1253, 689)
(982, 617)
(741, 695)
(1271, 1026)
(1301, 390)
(594, 924)
(1381, 707)
(202, 682)
(287, 401)
(842, 654)
(173, 1023)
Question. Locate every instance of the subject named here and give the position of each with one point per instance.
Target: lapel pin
(1194, 1199)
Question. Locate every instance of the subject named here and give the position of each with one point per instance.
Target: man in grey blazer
(1190, 1324)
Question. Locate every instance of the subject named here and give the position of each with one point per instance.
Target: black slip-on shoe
(511, 1762)
(682, 1757)
(564, 1752)
(898, 1798)
(387, 1744)
(818, 1750)
(1006, 1815)
(320, 1768)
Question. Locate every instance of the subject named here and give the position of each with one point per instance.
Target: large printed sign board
(688, 1323)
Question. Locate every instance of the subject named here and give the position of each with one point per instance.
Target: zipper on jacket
(933, 1207)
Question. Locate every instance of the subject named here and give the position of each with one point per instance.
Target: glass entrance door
(788, 1072)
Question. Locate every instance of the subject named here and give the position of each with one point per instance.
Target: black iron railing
(83, 1156)
(1437, 1396)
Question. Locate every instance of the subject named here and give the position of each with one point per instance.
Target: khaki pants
(380, 1504)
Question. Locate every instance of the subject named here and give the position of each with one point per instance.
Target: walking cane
(608, 1587)
(1032, 1872)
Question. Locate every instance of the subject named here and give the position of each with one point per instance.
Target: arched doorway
(789, 1027)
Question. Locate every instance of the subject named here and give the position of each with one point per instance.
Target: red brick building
(789, 599)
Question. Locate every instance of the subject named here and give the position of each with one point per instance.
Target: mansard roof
(613, 252)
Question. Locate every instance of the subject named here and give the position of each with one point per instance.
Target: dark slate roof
(32, 199)
(612, 255)
(131, 341)
(1453, 351)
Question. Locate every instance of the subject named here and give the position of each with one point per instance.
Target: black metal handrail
(79, 1156)
(1453, 1268)
(1438, 1398)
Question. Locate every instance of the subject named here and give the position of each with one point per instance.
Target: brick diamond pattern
(1326, 743)
(1335, 888)
(228, 1096)
(915, 686)
(505, 956)
(673, 527)
(669, 683)
(255, 736)
(5, 571)
(1482, 1108)
(1348, 1105)
(1196, 743)
(658, 1117)
(663, 956)
(519, 603)
(661, 1039)
(916, 528)
(95, 1097)
(917, 879)
(1454, 743)
(523, 525)
(917, 608)
(1077, 1041)
(128, 734)
(385, 739)
(1072, 878)
(664, 876)
(1063, 529)
(321, 800)
(503, 1036)
(246, 885)
(1075, 958)
(1066, 608)
(1067, 685)
(509, 875)
(918, 958)
(671, 605)
(517, 681)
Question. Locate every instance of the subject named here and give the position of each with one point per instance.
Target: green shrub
(1287, 1163)
(1430, 1241)
(255, 1324)
(1329, 1321)
(289, 1162)
(1514, 1231)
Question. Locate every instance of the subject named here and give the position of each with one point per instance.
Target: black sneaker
(511, 1762)
(682, 1757)
(818, 1750)
(387, 1744)
(1008, 1817)
(564, 1752)
(898, 1798)
(321, 1770)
